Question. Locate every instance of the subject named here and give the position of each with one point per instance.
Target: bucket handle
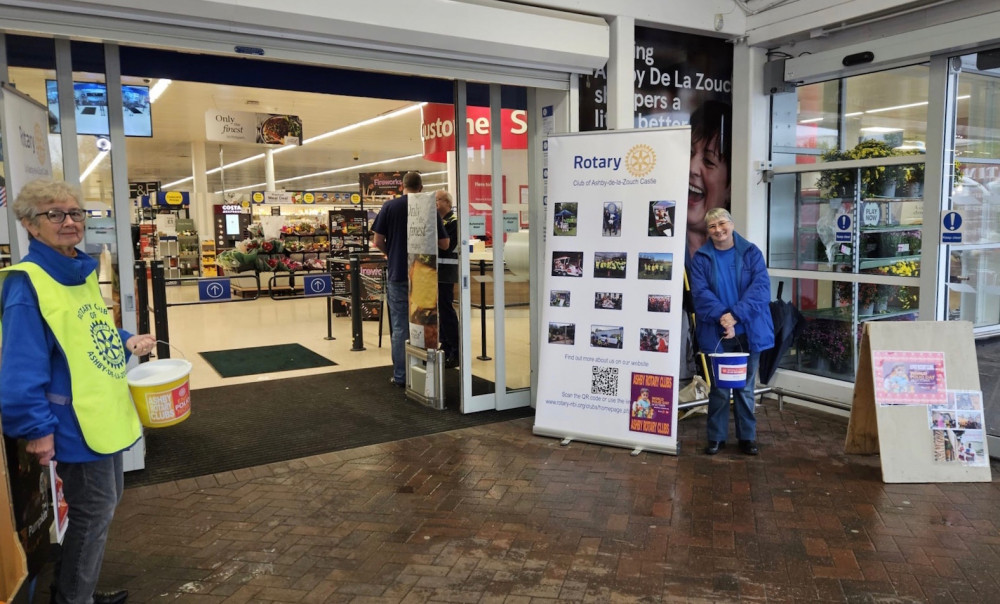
(720, 344)
(172, 346)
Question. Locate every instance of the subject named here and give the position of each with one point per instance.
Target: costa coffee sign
(437, 128)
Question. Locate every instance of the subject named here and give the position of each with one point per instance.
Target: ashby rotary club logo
(640, 160)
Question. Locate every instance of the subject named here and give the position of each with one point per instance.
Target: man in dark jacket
(447, 278)
(731, 291)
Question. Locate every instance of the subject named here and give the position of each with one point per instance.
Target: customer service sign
(614, 272)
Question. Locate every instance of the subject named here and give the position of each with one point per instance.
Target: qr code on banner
(604, 381)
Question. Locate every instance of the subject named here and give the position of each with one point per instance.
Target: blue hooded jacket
(754, 289)
(33, 365)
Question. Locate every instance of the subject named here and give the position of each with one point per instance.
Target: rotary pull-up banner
(437, 128)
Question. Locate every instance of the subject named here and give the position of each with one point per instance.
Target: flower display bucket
(730, 369)
(161, 392)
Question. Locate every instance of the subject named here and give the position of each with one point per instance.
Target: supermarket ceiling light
(907, 106)
(158, 88)
(812, 121)
(880, 129)
(328, 172)
(93, 165)
(368, 122)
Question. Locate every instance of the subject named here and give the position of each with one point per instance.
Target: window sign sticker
(844, 228)
(871, 214)
(951, 227)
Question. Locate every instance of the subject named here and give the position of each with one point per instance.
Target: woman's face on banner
(708, 182)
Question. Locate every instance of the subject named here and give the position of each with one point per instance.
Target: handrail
(809, 398)
(758, 391)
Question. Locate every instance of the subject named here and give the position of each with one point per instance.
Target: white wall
(491, 33)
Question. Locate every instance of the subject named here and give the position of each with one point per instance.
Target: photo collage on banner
(613, 311)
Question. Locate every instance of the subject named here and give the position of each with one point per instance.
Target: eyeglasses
(58, 216)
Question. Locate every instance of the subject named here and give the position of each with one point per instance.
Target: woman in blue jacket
(62, 378)
(732, 292)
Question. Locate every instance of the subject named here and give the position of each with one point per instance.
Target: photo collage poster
(614, 279)
(954, 417)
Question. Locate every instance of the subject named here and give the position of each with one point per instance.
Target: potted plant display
(826, 345)
(911, 178)
(867, 296)
(837, 183)
(876, 181)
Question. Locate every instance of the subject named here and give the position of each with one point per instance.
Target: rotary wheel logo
(106, 340)
(640, 160)
(41, 151)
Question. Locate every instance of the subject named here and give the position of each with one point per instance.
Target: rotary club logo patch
(640, 160)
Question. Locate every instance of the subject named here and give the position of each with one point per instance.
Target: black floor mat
(246, 425)
(264, 359)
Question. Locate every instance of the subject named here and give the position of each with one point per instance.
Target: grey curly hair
(39, 193)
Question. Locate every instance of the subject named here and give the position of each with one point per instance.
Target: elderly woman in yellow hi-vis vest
(62, 378)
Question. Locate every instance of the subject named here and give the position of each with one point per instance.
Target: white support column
(201, 197)
(269, 168)
(621, 74)
(67, 118)
(751, 108)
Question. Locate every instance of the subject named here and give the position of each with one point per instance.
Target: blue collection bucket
(729, 368)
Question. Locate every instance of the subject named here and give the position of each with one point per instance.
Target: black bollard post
(356, 312)
(482, 310)
(329, 319)
(160, 310)
(141, 299)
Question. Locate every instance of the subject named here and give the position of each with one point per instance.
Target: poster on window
(679, 79)
(610, 280)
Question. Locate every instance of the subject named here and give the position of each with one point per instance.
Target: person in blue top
(62, 379)
(390, 228)
(731, 291)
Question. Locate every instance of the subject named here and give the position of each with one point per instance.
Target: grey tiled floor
(495, 514)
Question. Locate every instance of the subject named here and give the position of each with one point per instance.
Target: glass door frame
(500, 398)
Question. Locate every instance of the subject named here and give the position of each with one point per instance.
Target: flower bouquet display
(242, 258)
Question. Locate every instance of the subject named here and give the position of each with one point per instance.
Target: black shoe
(395, 383)
(451, 363)
(749, 447)
(110, 597)
(714, 446)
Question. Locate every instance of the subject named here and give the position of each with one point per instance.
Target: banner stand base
(596, 439)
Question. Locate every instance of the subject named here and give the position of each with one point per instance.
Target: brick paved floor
(495, 514)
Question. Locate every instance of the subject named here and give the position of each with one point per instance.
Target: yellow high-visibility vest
(83, 327)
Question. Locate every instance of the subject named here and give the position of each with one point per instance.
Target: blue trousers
(93, 490)
(448, 320)
(398, 300)
(743, 400)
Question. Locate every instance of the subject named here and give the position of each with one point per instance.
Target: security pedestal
(425, 376)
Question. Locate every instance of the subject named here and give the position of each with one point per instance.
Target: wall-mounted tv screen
(91, 99)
